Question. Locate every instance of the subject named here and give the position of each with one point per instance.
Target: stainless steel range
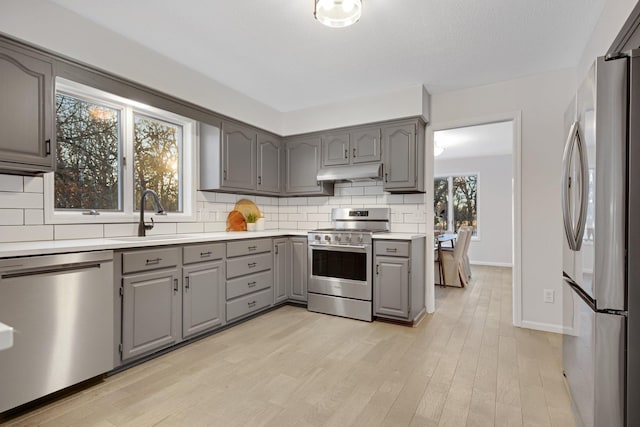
(341, 262)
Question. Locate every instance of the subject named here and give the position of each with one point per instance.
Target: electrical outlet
(549, 295)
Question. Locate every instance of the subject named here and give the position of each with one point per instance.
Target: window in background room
(109, 150)
(456, 202)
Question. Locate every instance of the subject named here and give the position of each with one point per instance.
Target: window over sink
(109, 150)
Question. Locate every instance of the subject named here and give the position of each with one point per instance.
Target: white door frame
(516, 211)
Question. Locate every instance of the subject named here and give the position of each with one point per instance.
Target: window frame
(128, 107)
(450, 219)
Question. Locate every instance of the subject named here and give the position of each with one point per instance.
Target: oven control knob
(360, 239)
(348, 237)
(317, 237)
(338, 238)
(327, 237)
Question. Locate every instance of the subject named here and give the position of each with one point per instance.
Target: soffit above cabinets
(275, 52)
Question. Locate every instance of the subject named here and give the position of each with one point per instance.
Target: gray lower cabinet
(27, 125)
(203, 287)
(281, 270)
(150, 311)
(398, 282)
(249, 277)
(404, 156)
(302, 162)
(298, 269)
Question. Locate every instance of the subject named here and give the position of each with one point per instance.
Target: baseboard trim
(492, 264)
(546, 327)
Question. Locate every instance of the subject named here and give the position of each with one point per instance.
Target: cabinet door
(238, 157)
(335, 149)
(302, 164)
(281, 275)
(203, 299)
(365, 145)
(299, 258)
(399, 143)
(150, 312)
(268, 164)
(26, 112)
(391, 287)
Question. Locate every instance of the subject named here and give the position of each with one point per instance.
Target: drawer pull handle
(392, 249)
(252, 248)
(251, 264)
(354, 153)
(251, 304)
(175, 286)
(154, 261)
(251, 284)
(205, 254)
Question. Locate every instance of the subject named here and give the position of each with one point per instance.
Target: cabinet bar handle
(186, 282)
(251, 284)
(386, 177)
(175, 286)
(251, 304)
(259, 180)
(48, 147)
(392, 249)
(153, 261)
(354, 153)
(205, 254)
(252, 248)
(251, 264)
(224, 174)
(346, 153)
(377, 269)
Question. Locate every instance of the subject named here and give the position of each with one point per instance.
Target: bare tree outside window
(87, 172)
(157, 152)
(441, 203)
(465, 212)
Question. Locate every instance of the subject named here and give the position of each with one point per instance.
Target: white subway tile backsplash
(288, 225)
(33, 184)
(163, 228)
(404, 228)
(21, 200)
(307, 209)
(214, 227)
(296, 217)
(373, 191)
(415, 217)
(341, 200)
(25, 233)
(323, 200)
(351, 191)
(319, 217)
(33, 216)
(363, 201)
(308, 225)
(205, 196)
(226, 198)
(11, 216)
(11, 183)
(78, 231)
(120, 230)
(390, 199)
(414, 198)
(190, 227)
(288, 209)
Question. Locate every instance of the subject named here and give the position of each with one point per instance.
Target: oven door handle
(328, 246)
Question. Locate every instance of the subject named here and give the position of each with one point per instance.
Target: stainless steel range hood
(363, 172)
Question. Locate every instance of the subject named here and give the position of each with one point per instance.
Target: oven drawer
(248, 304)
(247, 284)
(152, 259)
(391, 248)
(249, 265)
(202, 253)
(248, 247)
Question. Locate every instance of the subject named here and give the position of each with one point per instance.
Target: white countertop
(45, 247)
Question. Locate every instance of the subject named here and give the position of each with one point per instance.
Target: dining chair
(451, 259)
(465, 255)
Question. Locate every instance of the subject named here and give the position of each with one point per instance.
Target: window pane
(87, 171)
(157, 153)
(441, 203)
(465, 207)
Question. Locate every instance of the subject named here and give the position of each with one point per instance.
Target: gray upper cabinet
(361, 145)
(302, 162)
(27, 126)
(403, 157)
(365, 145)
(269, 159)
(238, 157)
(335, 149)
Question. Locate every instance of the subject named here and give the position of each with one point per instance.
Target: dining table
(440, 239)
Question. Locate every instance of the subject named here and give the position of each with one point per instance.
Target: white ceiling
(494, 139)
(275, 52)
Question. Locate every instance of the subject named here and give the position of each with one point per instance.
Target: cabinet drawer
(248, 265)
(151, 259)
(248, 247)
(249, 304)
(392, 248)
(247, 284)
(201, 253)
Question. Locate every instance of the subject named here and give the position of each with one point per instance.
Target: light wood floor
(466, 365)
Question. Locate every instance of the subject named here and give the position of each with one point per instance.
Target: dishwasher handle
(48, 270)
(29, 266)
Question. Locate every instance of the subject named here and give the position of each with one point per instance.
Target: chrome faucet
(143, 227)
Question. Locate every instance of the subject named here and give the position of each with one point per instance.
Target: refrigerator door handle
(566, 186)
(584, 196)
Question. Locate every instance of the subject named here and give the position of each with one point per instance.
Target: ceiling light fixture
(337, 13)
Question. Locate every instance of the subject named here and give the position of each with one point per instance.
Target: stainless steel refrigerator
(601, 261)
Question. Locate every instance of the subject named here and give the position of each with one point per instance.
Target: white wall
(541, 100)
(494, 242)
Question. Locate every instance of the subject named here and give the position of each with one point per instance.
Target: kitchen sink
(166, 237)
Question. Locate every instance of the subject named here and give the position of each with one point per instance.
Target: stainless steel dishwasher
(61, 307)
